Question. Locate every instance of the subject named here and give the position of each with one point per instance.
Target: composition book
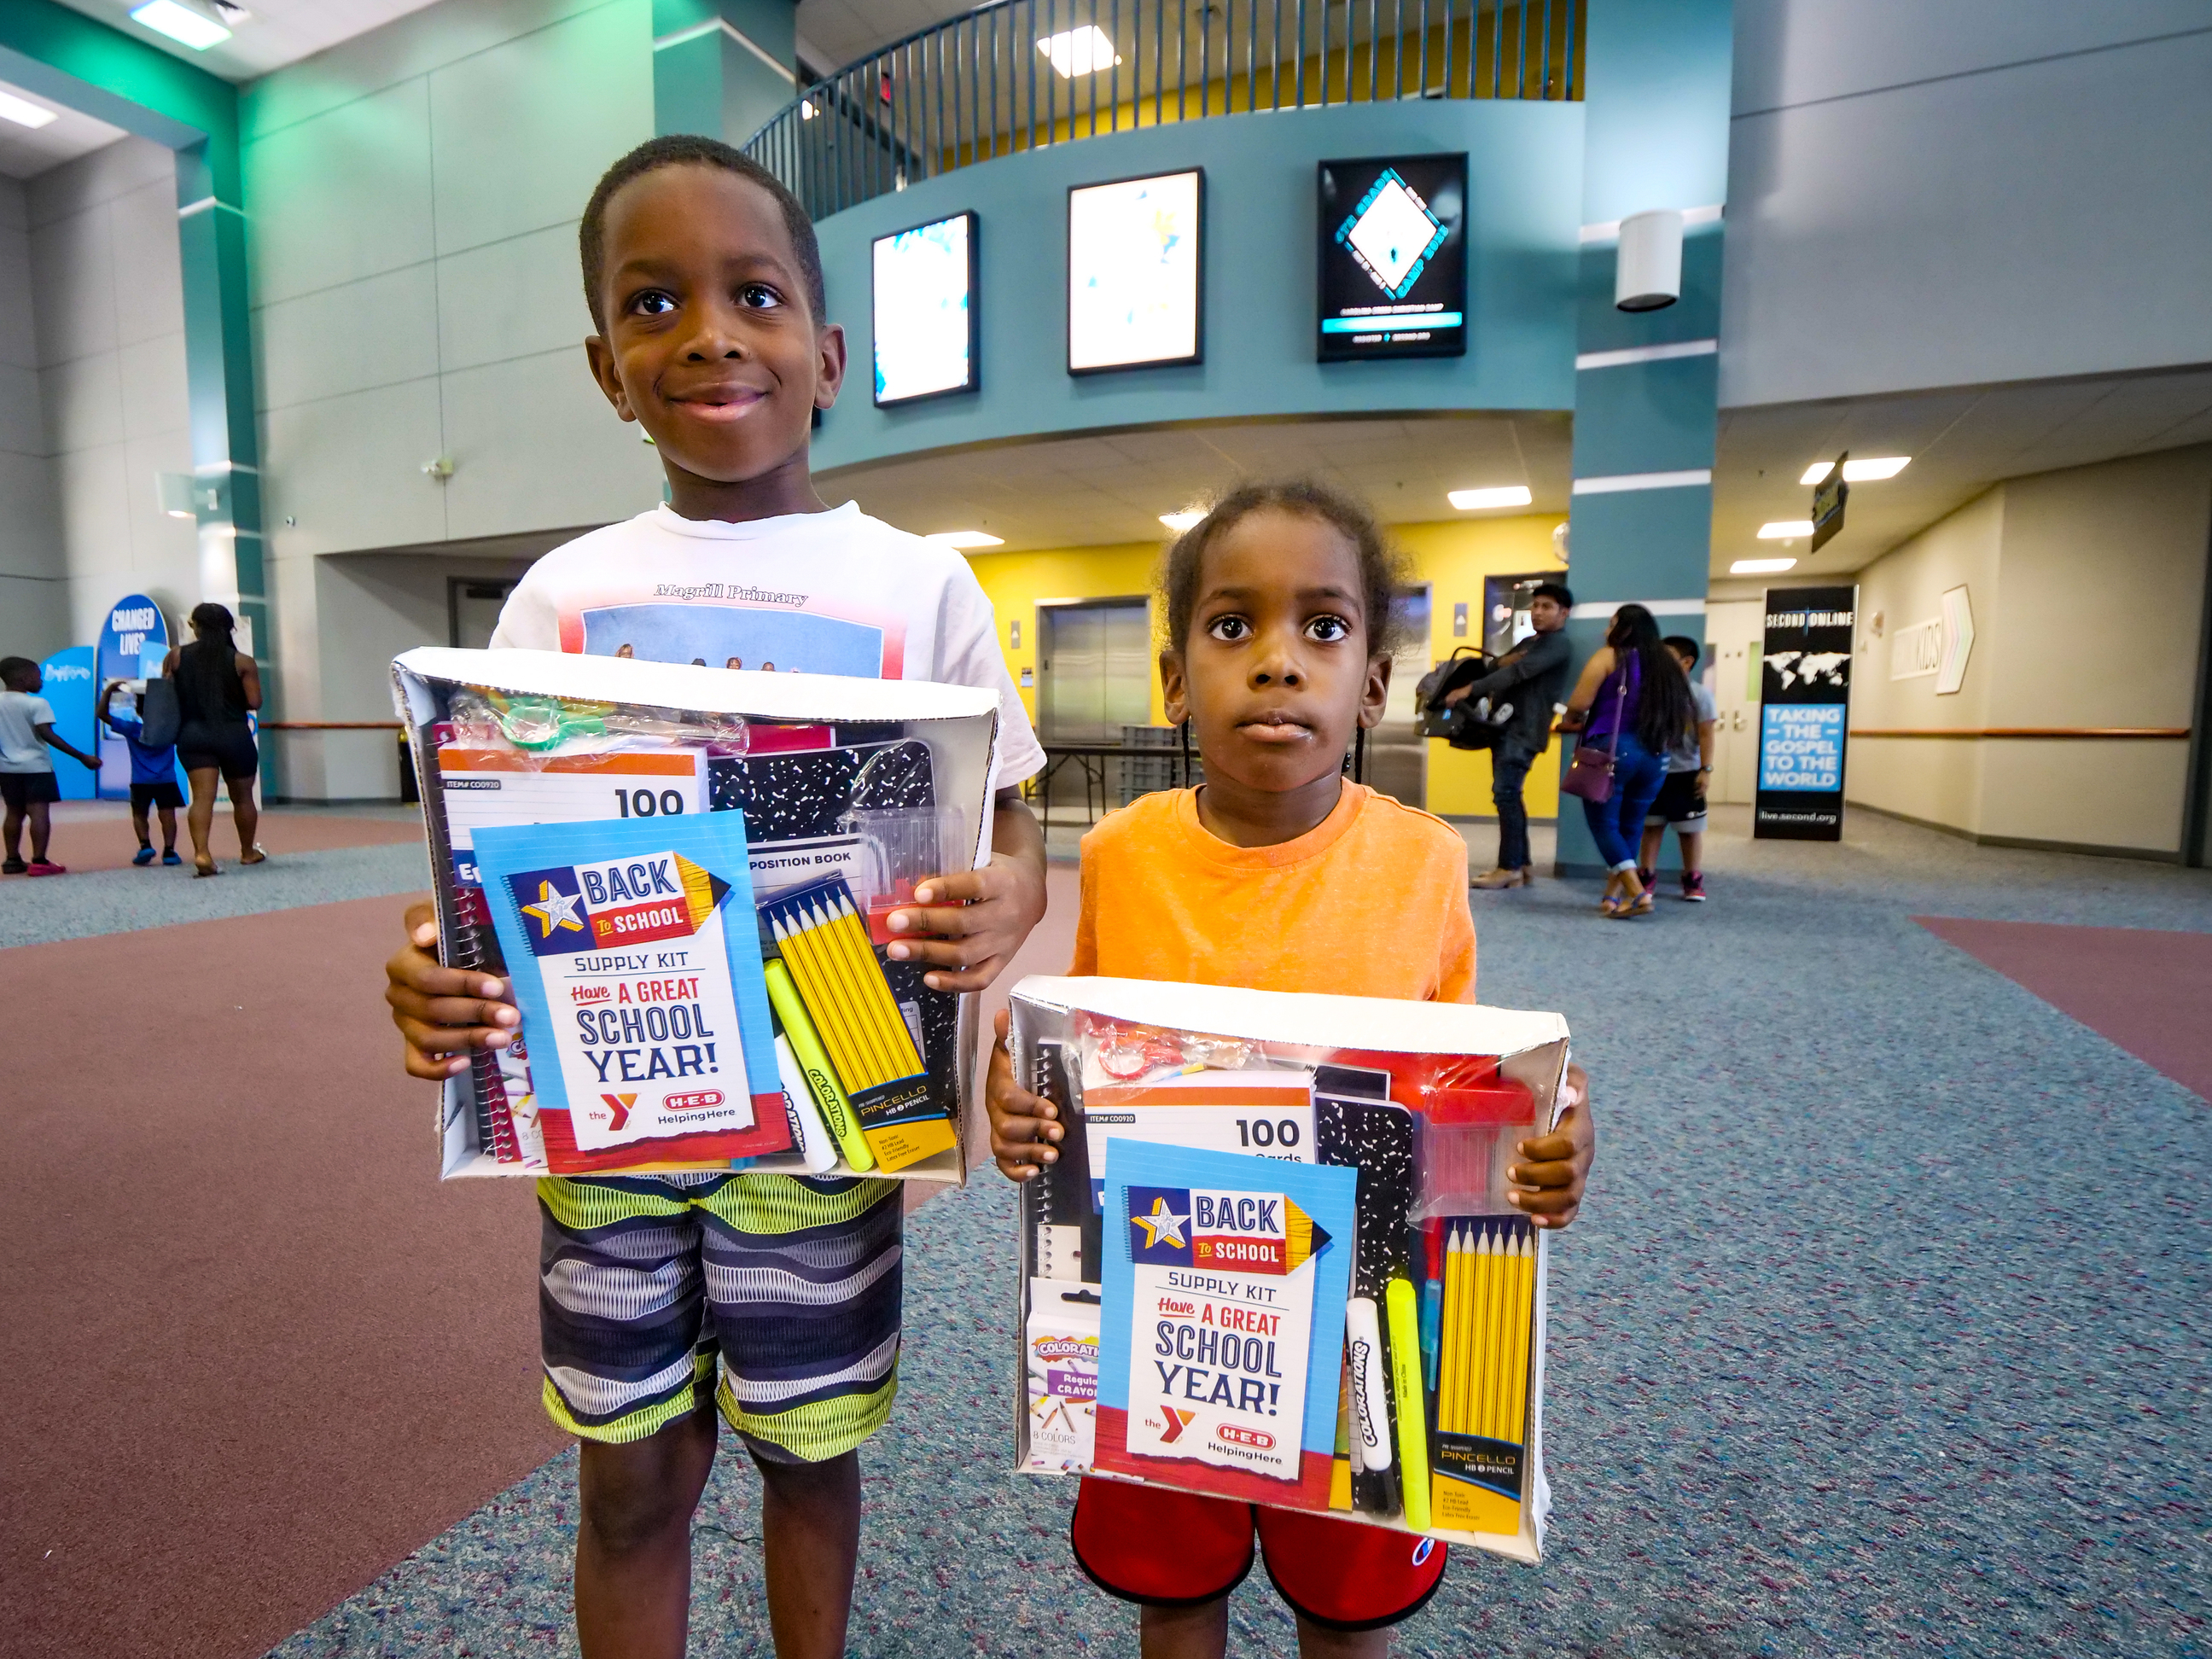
(629, 965)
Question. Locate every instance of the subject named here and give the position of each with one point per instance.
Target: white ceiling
(26, 152)
(1093, 491)
(280, 32)
(833, 33)
(1961, 441)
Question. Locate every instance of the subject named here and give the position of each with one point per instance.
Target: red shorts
(1173, 1549)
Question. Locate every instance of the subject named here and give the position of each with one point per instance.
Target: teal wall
(75, 60)
(1657, 83)
(1524, 190)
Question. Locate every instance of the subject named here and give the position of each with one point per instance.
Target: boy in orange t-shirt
(1277, 875)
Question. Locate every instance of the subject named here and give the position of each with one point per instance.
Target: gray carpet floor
(1888, 1328)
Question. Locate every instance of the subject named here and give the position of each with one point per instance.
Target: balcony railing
(1017, 75)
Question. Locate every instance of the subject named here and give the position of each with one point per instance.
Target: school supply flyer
(1314, 1293)
(617, 938)
(1223, 1315)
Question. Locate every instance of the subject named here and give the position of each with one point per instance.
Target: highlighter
(822, 1082)
(1405, 1382)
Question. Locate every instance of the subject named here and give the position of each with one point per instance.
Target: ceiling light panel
(181, 24)
(1761, 567)
(1473, 500)
(1874, 469)
(1786, 529)
(1080, 52)
(1180, 522)
(23, 113)
(962, 538)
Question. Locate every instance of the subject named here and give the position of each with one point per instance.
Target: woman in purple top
(1633, 699)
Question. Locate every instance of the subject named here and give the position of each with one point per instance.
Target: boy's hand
(444, 1013)
(91, 762)
(1552, 1169)
(1024, 1129)
(972, 921)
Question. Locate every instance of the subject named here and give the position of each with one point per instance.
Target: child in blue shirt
(153, 778)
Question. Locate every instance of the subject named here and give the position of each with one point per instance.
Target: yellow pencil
(824, 1004)
(855, 934)
(1525, 1326)
(822, 935)
(1502, 1295)
(1484, 1326)
(1508, 1344)
(1463, 1356)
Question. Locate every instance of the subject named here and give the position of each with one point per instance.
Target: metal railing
(1017, 75)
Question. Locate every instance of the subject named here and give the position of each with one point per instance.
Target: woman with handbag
(1630, 705)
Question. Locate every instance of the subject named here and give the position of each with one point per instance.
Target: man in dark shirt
(1533, 677)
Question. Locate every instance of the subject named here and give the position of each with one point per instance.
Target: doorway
(1735, 636)
(472, 607)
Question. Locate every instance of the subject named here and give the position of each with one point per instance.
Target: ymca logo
(1177, 1422)
(620, 1106)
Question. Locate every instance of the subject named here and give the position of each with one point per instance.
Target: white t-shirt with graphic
(22, 715)
(834, 593)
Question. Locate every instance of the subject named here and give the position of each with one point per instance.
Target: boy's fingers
(943, 920)
(449, 1039)
(955, 887)
(436, 1067)
(461, 1012)
(1546, 1149)
(1553, 1204)
(1542, 1175)
(978, 977)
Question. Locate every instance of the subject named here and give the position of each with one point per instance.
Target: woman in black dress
(218, 686)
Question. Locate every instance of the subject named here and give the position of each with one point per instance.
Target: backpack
(159, 714)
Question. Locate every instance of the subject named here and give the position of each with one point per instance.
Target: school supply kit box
(1274, 1261)
(688, 873)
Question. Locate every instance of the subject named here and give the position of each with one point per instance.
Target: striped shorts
(794, 1283)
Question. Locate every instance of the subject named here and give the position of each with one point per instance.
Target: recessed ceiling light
(1080, 52)
(806, 112)
(1873, 470)
(1470, 500)
(1180, 522)
(181, 24)
(1761, 567)
(1786, 529)
(22, 111)
(966, 538)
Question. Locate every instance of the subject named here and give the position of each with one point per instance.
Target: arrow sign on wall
(1958, 642)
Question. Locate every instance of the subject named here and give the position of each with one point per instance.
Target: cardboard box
(841, 785)
(1291, 1209)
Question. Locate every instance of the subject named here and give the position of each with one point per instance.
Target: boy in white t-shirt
(27, 785)
(706, 288)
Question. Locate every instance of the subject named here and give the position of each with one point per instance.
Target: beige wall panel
(518, 298)
(1934, 780)
(535, 447)
(1907, 587)
(149, 261)
(73, 277)
(522, 133)
(378, 332)
(2103, 595)
(154, 389)
(2089, 794)
(350, 469)
(83, 400)
(343, 197)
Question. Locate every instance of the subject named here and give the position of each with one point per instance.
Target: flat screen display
(1135, 272)
(1393, 234)
(925, 311)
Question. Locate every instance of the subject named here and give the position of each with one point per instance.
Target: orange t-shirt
(1371, 902)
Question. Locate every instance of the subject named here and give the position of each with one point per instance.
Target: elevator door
(1095, 670)
(1397, 754)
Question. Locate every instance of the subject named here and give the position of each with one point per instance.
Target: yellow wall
(1452, 558)
(1015, 582)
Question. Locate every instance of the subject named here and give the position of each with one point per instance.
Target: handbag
(159, 714)
(1587, 776)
